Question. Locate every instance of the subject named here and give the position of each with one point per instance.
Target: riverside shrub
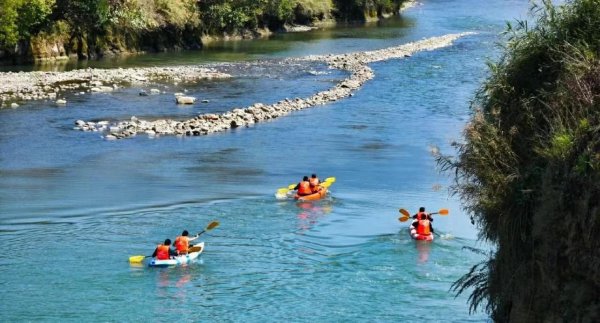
(528, 171)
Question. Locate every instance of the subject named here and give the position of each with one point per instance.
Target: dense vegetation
(97, 27)
(528, 171)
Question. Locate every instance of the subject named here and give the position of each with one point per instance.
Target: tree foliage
(93, 22)
(529, 170)
(22, 18)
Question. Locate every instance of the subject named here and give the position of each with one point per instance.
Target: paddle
(405, 215)
(140, 258)
(209, 227)
(137, 259)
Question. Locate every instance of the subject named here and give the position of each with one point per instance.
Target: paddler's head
(185, 233)
(167, 242)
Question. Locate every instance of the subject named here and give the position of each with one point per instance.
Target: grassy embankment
(528, 171)
(50, 29)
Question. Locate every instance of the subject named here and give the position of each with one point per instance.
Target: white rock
(102, 89)
(185, 100)
(154, 91)
(14, 105)
(61, 102)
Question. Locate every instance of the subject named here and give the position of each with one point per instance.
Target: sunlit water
(74, 207)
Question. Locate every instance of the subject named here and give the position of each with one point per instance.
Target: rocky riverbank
(23, 86)
(50, 85)
(355, 63)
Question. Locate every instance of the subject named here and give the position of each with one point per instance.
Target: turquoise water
(74, 207)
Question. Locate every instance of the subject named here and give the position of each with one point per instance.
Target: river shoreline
(24, 86)
(355, 63)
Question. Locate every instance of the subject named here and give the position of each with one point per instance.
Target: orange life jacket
(182, 244)
(314, 184)
(424, 227)
(162, 252)
(304, 188)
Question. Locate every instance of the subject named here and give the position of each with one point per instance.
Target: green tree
(20, 19)
(9, 34)
(87, 19)
(33, 15)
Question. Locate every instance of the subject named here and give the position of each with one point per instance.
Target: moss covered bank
(35, 30)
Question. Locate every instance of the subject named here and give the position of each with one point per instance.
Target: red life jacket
(182, 244)
(162, 252)
(304, 188)
(424, 227)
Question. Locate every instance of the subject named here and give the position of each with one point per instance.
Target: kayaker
(314, 183)
(182, 243)
(423, 224)
(422, 211)
(303, 187)
(164, 251)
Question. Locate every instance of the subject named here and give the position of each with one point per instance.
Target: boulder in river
(185, 99)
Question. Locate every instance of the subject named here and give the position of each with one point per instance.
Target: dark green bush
(529, 171)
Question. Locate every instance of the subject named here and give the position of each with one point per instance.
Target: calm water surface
(74, 207)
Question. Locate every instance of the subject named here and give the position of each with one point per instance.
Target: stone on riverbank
(24, 86)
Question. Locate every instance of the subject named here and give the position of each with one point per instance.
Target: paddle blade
(443, 212)
(404, 212)
(403, 218)
(194, 249)
(291, 186)
(282, 190)
(326, 184)
(281, 196)
(136, 259)
(330, 180)
(212, 225)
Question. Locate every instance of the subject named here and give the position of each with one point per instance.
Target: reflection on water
(311, 212)
(423, 249)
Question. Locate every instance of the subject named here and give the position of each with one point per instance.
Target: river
(74, 207)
